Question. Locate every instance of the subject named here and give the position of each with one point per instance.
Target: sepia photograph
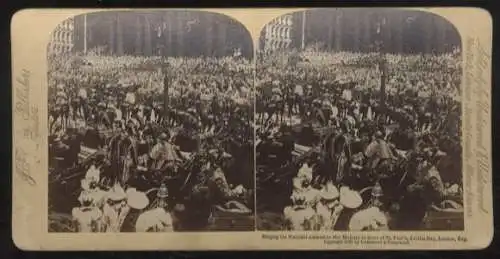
(254, 129)
(150, 121)
(358, 121)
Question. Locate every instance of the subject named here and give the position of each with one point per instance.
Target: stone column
(440, 26)
(357, 32)
(388, 35)
(138, 36)
(366, 30)
(222, 31)
(169, 38)
(209, 36)
(180, 33)
(330, 28)
(112, 31)
(147, 37)
(397, 37)
(119, 40)
(338, 31)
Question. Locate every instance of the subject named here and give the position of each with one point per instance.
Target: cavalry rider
(317, 112)
(379, 155)
(102, 116)
(298, 98)
(62, 104)
(81, 103)
(164, 154)
(275, 104)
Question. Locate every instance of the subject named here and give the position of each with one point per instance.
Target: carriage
(179, 181)
(224, 220)
(436, 217)
(439, 219)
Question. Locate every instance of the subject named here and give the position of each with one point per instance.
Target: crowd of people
(149, 143)
(359, 141)
(344, 141)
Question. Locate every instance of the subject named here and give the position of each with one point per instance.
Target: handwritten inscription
(22, 101)
(476, 122)
(32, 132)
(482, 92)
(22, 166)
(29, 128)
(24, 109)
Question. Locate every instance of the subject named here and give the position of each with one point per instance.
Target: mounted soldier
(379, 156)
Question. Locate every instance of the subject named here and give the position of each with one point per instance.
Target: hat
(163, 136)
(213, 151)
(93, 174)
(329, 192)
(305, 172)
(226, 155)
(137, 200)
(85, 198)
(86, 183)
(349, 198)
(298, 200)
(117, 193)
(440, 153)
(377, 190)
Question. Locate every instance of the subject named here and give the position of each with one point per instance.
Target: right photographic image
(358, 122)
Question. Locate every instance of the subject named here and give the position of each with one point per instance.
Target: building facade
(62, 38)
(170, 33)
(358, 30)
(278, 33)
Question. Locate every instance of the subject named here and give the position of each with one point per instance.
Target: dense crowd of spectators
(382, 122)
(132, 123)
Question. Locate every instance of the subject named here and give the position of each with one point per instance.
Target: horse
(275, 109)
(294, 102)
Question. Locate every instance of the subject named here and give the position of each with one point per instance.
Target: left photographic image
(150, 117)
